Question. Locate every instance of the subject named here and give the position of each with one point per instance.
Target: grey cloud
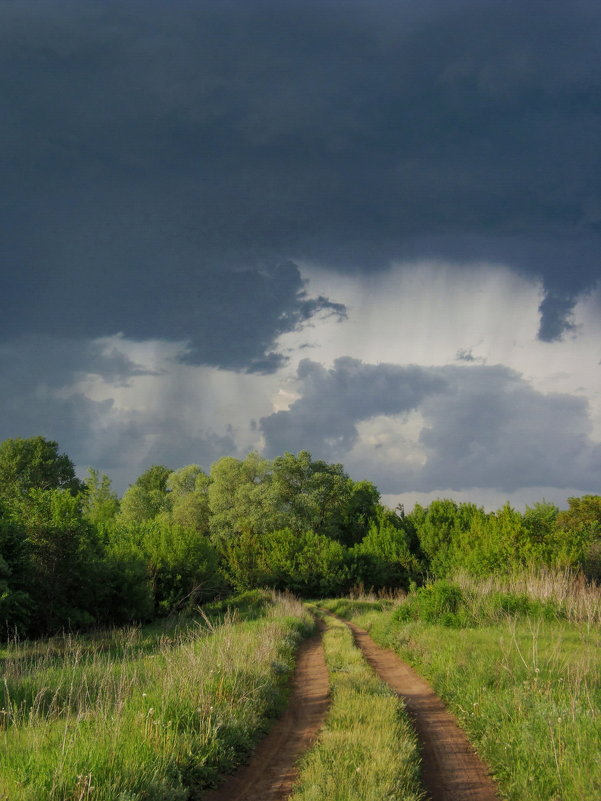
(556, 315)
(161, 161)
(483, 427)
(466, 355)
(324, 419)
(55, 362)
(37, 397)
(493, 429)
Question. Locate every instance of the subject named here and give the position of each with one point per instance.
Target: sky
(370, 230)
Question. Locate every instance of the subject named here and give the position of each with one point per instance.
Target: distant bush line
(74, 556)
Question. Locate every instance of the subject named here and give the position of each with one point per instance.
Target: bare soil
(272, 771)
(451, 770)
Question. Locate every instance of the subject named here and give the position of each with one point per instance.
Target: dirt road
(451, 770)
(270, 774)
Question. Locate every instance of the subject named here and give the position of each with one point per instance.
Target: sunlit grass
(154, 716)
(526, 689)
(366, 750)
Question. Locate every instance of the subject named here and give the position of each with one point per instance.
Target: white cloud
(427, 313)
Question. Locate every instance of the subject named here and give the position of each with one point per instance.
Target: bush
(441, 602)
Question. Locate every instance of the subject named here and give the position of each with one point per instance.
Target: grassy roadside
(135, 715)
(526, 688)
(366, 750)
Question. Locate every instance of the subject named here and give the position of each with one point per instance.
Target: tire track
(451, 770)
(272, 771)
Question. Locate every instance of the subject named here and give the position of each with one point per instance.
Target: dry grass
(578, 599)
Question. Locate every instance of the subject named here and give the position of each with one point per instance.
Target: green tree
(64, 554)
(238, 497)
(542, 545)
(308, 495)
(308, 564)
(496, 543)
(579, 528)
(35, 463)
(188, 490)
(181, 565)
(16, 605)
(384, 558)
(360, 511)
(147, 497)
(100, 504)
(440, 528)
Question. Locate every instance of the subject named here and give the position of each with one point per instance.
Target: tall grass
(131, 715)
(578, 599)
(367, 750)
(526, 687)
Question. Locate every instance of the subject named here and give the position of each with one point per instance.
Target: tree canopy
(35, 463)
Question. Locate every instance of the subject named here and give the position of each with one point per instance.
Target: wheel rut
(272, 771)
(451, 770)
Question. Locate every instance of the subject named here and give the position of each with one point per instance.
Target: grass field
(367, 750)
(524, 683)
(154, 713)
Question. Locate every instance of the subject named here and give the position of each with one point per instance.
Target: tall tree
(100, 504)
(147, 498)
(35, 463)
(238, 497)
(189, 498)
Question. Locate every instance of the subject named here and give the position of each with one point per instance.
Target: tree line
(74, 555)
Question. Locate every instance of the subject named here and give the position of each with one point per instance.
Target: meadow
(518, 662)
(156, 713)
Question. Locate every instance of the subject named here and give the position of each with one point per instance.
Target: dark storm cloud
(162, 161)
(483, 427)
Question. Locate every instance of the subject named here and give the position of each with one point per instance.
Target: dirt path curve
(451, 770)
(271, 773)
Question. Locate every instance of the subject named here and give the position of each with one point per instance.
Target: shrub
(441, 602)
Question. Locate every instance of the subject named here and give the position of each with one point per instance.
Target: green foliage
(383, 558)
(154, 479)
(237, 497)
(441, 602)
(180, 563)
(441, 528)
(360, 511)
(526, 689)
(34, 463)
(100, 504)
(308, 564)
(16, 605)
(580, 526)
(310, 496)
(72, 555)
(189, 498)
(147, 498)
